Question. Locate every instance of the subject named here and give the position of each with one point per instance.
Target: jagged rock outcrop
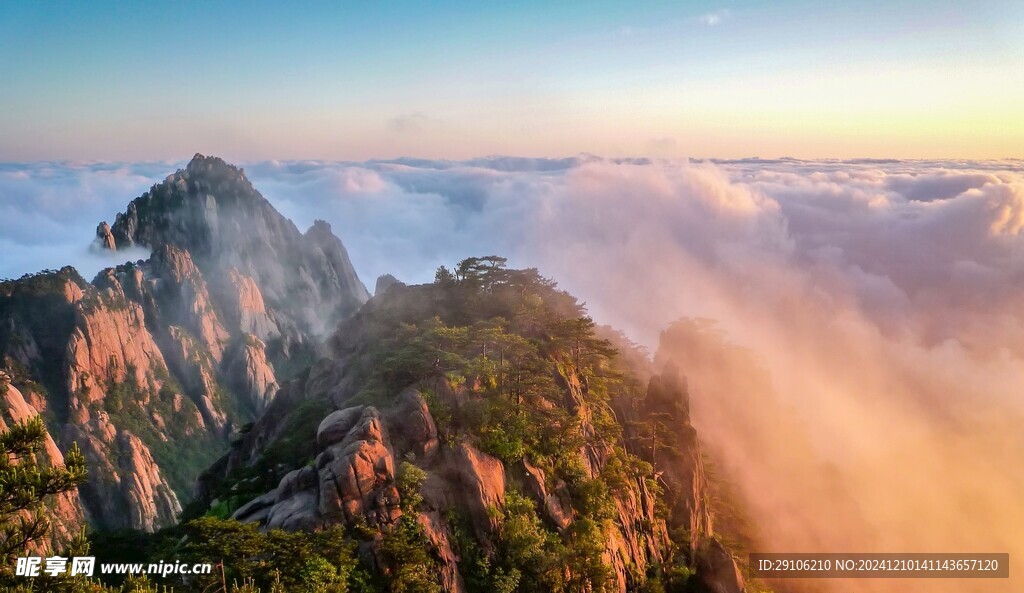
(556, 503)
(182, 317)
(109, 345)
(438, 532)
(132, 493)
(196, 372)
(336, 426)
(212, 211)
(482, 478)
(353, 479)
(412, 425)
(105, 237)
(183, 299)
(641, 540)
(357, 475)
(675, 452)
(152, 365)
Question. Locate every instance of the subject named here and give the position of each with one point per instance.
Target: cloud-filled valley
(883, 298)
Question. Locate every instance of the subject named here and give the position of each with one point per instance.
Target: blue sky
(103, 80)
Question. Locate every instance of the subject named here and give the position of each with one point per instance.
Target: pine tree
(26, 485)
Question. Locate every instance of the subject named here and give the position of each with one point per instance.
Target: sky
(455, 80)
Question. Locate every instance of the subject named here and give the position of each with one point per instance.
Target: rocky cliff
(89, 364)
(154, 364)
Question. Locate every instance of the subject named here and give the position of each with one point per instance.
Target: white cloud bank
(884, 298)
(49, 212)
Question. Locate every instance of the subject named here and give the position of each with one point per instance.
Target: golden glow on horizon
(892, 114)
(962, 109)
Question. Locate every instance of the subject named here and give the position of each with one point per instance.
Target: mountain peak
(211, 166)
(320, 227)
(187, 208)
(211, 210)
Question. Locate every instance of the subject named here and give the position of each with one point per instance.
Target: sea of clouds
(883, 298)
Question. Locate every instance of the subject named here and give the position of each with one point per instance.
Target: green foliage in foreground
(307, 562)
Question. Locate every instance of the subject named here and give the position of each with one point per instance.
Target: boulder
(411, 425)
(336, 426)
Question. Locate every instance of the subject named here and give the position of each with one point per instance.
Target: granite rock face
(246, 308)
(137, 496)
(91, 355)
(252, 374)
(105, 237)
(353, 478)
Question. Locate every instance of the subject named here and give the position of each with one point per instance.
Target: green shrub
(321, 561)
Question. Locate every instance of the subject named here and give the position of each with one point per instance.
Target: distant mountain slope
(153, 364)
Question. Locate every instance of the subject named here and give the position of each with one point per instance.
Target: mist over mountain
(531, 452)
(872, 306)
